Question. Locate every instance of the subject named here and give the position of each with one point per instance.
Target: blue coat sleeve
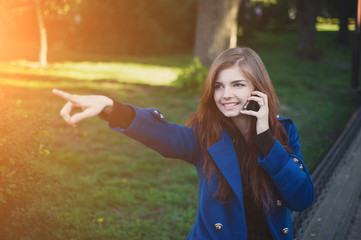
(168, 139)
(288, 171)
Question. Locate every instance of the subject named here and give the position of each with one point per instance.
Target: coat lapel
(224, 155)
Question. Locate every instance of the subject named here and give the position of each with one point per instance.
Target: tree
(343, 10)
(5, 19)
(49, 8)
(43, 50)
(342, 36)
(306, 17)
(216, 28)
(11, 11)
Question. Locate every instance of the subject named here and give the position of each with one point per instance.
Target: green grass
(332, 27)
(115, 188)
(91, 73)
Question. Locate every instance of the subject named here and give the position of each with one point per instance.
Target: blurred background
(59, 182)
(117, 27)
(159, 27)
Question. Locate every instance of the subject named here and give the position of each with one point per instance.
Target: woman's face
(231, 90)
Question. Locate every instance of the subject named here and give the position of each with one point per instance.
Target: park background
(59, 182)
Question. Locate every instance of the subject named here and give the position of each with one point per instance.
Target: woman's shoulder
(284, 119)
(286, 122)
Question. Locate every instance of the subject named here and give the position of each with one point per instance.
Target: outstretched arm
(91, 105)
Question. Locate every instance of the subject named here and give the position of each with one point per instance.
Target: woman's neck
(243, 124)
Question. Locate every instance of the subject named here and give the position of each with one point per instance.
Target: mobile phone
(251, 105)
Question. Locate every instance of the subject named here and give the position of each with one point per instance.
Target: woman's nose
(227, 93)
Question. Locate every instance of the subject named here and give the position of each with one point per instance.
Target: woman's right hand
(90, 105)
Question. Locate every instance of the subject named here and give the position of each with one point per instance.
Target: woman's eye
(238, 85)
(218, 86)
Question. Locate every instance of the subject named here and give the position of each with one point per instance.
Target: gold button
(278, 203)
(301, 167)
(218, 226)
(285, 231)
(296, 160)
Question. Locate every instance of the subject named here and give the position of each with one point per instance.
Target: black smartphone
(251, 105)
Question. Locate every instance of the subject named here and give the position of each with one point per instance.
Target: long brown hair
(208, 124)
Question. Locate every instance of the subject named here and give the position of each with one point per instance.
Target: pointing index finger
(64, 95)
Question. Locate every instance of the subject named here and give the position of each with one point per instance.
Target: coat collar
(224, 155)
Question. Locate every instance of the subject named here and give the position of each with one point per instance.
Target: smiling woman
(250, 169)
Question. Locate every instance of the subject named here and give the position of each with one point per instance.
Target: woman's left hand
(262, 114)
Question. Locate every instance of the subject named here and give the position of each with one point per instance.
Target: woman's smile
(230, 105)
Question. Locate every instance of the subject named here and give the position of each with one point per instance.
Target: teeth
(230, 104)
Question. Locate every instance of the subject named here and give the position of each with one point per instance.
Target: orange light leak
(358, 15)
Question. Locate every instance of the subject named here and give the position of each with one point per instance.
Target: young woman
(250, 170)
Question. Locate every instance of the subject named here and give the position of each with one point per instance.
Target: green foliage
(27, 193)
(192, 76)
(138, 27)
(334, 8)
(264, 15)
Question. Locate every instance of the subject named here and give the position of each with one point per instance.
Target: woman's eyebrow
(232, 82)
(238, 81)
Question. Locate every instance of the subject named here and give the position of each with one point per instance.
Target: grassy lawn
(115, 188)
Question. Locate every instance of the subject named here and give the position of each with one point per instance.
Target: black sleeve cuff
(264, 142)
(121, 116)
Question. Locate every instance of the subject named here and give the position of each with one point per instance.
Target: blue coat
(216, 220)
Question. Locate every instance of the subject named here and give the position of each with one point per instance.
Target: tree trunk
(306, 17)
(5, 15)
(43, 51)
(343, 34)
(216, 28)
